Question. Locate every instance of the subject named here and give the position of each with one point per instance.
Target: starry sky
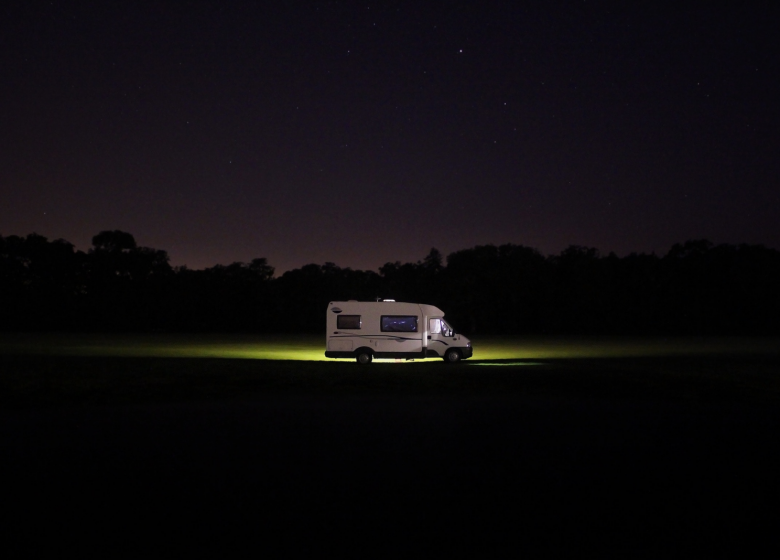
(366, 133)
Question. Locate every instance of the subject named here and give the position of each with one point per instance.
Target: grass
(587, 438)
(53, 370)
(247, 347)
(312, 347)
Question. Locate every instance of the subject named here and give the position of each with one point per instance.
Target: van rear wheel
(452, 356)
(363, 357)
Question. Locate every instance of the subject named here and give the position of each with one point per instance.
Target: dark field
(636, 453)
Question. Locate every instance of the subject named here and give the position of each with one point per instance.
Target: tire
(363, 357)
(452, 356)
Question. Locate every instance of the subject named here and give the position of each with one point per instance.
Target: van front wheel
(363, 357)
(452, 356)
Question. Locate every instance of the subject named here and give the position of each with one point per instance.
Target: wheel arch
(458, 355)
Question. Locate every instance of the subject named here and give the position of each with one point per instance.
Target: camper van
(365, 330)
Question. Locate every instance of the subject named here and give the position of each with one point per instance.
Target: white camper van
(365, 330)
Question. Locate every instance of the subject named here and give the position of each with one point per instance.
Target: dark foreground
(643, 458)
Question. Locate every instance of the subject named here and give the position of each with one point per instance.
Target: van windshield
(440, 326)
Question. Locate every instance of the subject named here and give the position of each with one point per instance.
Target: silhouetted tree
(126, 283)
(40, 282)
(113, 241)
(696, 288)
(493, 289)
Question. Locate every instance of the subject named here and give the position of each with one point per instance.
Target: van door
(439, 335)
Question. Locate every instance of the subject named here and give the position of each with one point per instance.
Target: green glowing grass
(505, 363)
(169, 346)
(567, 347)
(517, 350)
(69, 369)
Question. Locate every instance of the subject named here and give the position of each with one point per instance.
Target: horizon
(445, 254)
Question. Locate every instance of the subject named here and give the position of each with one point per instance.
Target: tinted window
(399, 323)
(348, 321)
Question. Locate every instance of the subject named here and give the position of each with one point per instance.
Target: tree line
(696, 288)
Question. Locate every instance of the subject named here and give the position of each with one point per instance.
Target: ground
(633, 453)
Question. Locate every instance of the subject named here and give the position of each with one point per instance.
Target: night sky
(365, 133)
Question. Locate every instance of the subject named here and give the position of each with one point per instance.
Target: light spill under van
(365, 330)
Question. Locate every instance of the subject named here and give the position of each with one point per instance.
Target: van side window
(348, 322)
(435, 326)
(399, 323)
